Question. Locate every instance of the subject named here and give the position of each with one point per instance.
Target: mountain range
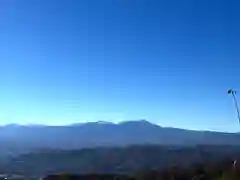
(20, 138)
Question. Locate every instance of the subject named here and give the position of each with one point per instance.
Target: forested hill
(117, 160)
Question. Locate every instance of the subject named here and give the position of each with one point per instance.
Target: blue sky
(170, 62)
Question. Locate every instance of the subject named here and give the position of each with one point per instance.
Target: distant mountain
(24, 138)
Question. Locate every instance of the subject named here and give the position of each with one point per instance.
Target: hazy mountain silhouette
(93, 134)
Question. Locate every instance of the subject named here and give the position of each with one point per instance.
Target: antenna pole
(235, 103)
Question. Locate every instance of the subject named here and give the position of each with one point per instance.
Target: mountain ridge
(102, 133)
(126, 122)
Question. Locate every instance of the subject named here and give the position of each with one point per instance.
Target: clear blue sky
(170, 62)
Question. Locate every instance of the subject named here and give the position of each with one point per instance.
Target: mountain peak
(104, 122)
(93, 123)
(141, 121)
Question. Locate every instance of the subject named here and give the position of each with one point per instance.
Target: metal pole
(235, 103)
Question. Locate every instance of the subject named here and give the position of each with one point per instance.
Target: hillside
(117, 160)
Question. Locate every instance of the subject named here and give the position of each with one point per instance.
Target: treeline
(226, 170)
(118, 160)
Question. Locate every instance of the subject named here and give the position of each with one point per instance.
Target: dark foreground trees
(226, 170)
